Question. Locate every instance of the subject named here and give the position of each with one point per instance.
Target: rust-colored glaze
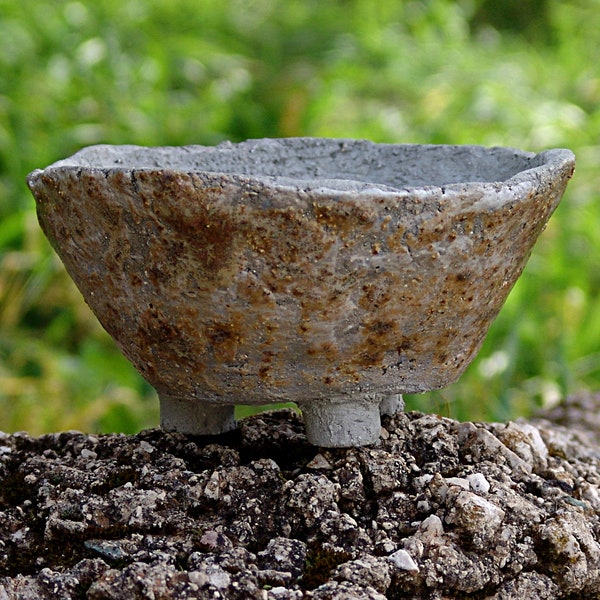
(233, 287)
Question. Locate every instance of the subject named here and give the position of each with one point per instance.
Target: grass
(168, 73)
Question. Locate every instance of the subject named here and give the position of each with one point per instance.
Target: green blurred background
(521, 73)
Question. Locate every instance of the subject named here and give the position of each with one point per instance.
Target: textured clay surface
(435, 510)
(297, 269)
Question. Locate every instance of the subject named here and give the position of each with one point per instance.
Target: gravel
(437, 509)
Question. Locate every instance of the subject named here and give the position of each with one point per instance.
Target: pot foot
(392, 404)
(341, 424)
(195, 418)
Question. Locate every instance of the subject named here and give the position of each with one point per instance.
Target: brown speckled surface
(298, 269)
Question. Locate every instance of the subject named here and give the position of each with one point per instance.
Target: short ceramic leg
(341, 424)
(195, 418)
(392, 404)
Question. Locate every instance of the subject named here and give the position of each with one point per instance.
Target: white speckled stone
(478, 483)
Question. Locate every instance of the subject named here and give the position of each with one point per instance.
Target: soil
(437, 509)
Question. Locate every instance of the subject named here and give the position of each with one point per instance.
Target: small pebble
(478, 483)
(403, 560)
(319, 462)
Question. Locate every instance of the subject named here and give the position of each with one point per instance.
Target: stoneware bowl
(333, 273)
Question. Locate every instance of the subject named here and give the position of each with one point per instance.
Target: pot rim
(546, 167)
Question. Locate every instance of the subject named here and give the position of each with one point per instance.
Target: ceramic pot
(332, 273)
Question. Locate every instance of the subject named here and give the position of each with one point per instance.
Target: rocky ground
(438, 509)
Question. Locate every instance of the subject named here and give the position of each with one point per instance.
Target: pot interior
(338, 164)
